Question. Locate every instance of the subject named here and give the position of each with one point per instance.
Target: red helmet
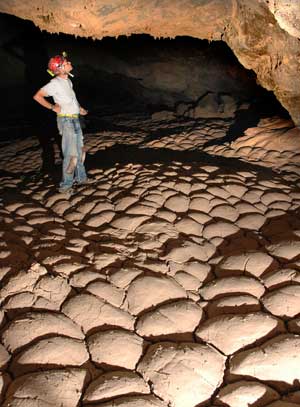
(56, 63)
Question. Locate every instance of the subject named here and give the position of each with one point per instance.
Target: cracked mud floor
(173, 279)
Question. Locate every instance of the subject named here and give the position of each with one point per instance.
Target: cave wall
(261, 44)
(287, 14)
(263, 34)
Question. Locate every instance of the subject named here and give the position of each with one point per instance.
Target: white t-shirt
(63, 94)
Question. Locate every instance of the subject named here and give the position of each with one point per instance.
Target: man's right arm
(40, 97)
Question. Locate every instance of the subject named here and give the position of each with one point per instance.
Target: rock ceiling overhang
(263, 34)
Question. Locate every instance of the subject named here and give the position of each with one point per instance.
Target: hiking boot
(67, 190)
(87, 181)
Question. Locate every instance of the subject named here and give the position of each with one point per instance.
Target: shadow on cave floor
(131, 154)
(244, 119)
(53, 174)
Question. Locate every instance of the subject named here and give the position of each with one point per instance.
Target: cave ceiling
(263, 34)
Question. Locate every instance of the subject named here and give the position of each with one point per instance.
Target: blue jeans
(73, 151)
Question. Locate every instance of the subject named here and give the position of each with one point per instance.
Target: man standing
(68, 110)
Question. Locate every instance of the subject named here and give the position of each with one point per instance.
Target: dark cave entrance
(136, 75)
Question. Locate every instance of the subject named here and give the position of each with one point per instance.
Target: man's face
(67, 66)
